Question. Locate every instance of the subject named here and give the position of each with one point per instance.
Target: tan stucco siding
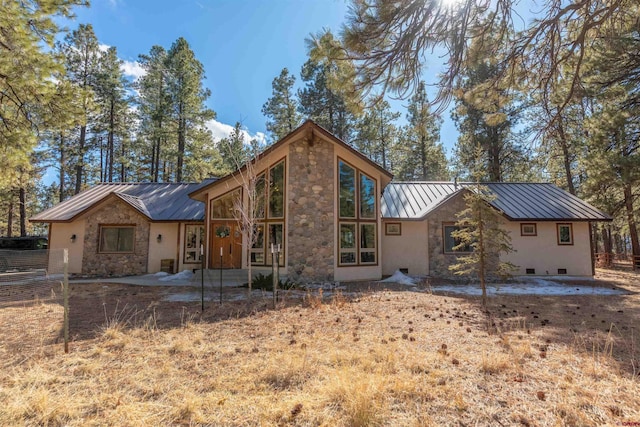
(167, 248)
(59, 239)
(409, 250)
(542, 252)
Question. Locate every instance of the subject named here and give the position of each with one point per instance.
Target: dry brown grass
(386, 358)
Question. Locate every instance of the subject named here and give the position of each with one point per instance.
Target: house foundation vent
(562, 271)
(404, 270)
(531, 271)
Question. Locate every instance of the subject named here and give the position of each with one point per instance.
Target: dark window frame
(570, 227)
(358, 219)
(525, 224)
(446, 225)
(103, 227)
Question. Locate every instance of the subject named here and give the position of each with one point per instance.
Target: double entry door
(226, 247)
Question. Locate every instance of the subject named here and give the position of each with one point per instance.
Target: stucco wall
(115, 212)
(167, 248)
(310, 220)
(409, 250)
(59, 239)
(543, 253)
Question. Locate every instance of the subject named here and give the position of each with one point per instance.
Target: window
(565, 234)
(274, 237)
(347, 191)
(450, 242)
(357, 207)
(528, 229)
(367, 197)
(393, 229)
(270, 212)
(223, 207)
(116, 239)
(276, 191)
(257, 250)
(368, 243)
(194, 237)
(347, 243)
(261, 185)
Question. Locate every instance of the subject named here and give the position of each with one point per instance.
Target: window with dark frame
(449, 242)
(565, 234)
(528, 229)
(270, 211)
(393, 229)
(116, 239)
(358, 226)
(194, 237)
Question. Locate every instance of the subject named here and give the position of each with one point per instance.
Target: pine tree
(330, 96)
(422, 157)
(188, 97)
(377, 135)
(281, 109)
(111, 88)
(154, 105)
(485, 115)
(233, 150)
(82, 63)
(27, 65)
(480, 230)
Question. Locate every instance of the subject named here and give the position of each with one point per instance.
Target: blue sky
(243, 45)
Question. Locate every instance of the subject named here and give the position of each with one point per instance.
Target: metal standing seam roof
(518, 201)
(157, 201)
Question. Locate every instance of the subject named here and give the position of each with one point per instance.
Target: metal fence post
(65, 293)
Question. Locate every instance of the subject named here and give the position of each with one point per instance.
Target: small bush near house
(265, 282)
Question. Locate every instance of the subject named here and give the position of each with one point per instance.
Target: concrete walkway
(230, 279)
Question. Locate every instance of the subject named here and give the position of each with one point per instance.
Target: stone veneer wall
(97, 264)
(310, 224)
(439, 262)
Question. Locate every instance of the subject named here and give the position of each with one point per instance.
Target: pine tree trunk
(80, 165)
(633, 230)
(181, 142)
(10, 220)
(566, 157)
(23, 211)
(110, 140)
(63, 168)
(482, 267)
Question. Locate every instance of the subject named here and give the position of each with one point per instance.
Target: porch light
(159, 238)
(73, 238)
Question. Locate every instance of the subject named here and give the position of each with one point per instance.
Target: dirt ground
(32, 316)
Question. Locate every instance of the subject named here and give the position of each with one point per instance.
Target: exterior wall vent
(531, 271)
(404, 270)
(562, 271)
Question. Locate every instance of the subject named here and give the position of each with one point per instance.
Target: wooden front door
(230, 246)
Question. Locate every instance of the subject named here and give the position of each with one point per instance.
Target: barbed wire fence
(34, 303)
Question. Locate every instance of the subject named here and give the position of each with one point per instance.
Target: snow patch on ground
(528, 286)
(400, 278)
(183, 275)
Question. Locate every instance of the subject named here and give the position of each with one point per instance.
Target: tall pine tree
(281, 109)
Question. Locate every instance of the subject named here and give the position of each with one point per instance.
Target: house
(335, 215)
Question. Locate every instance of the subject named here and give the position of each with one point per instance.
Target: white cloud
(132, 69)
(221, 130)
(129, 68)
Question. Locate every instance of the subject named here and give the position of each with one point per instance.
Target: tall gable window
(358, 226)
(116, 239)
(270, 213)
